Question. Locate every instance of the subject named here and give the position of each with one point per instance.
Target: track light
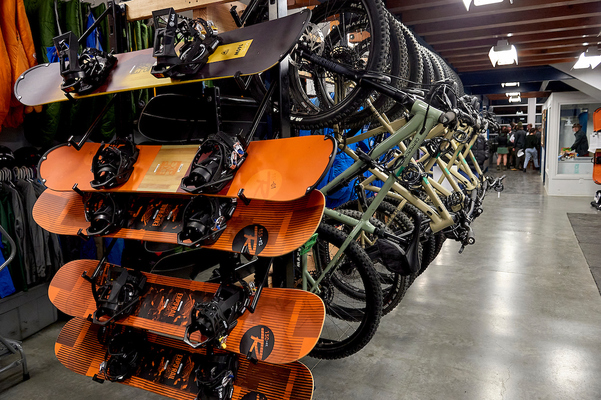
(589, 58)
(503, 54)
(467, 3)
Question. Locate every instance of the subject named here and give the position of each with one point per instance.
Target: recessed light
(585, 44)
(509, 34)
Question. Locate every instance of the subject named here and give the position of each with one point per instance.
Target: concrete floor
(516, 316)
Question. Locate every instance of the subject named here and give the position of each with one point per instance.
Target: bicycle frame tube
(421, 122)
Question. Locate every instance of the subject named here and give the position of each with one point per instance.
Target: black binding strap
(215, 376)
(124, 352)
(113, 164)
(216, 318)
(199, 42)
(84, 72)
(215, 164)
(117, 295)
(105, 212)
(205, 220)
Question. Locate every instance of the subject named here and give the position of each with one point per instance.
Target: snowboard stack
(251, 201)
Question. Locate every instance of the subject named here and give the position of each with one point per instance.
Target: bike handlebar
(365, 79)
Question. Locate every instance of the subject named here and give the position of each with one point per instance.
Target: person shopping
(531, 143)
(502, 150)
(581, 142)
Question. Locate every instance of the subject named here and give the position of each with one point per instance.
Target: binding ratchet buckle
(85, 72)
(215, 164)
(205, 220)
(118, 293)
(216, 318)
(198, 38)
(104, 211)
(113, 163)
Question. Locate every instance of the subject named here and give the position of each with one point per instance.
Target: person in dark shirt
(520, 144)
(531, 143)
(502, 150)
(581, 142)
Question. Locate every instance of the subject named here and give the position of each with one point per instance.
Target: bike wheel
(351, 321)
(354, 34)
(394, 285)
(397, 66)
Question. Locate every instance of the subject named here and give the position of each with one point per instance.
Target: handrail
(13, 248)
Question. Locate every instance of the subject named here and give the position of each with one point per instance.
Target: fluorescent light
(516, 99)
(467, 3)
(589, 58)
(503, 54)
(512, 94)
(510, 84)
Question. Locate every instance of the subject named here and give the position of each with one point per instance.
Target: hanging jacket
(19, 45)
(5, 86)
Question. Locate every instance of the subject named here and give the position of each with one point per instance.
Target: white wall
(564, 184)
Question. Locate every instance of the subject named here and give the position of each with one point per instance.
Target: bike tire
(394, 285)
(365, 315)
(370, 13)
(415, 62)
(428, 69)
(397, 67)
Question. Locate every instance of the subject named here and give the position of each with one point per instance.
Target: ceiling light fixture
(503, 54)
(512, 94)
(467, 3)
(589, 58)
(515, 99)
(510, 84)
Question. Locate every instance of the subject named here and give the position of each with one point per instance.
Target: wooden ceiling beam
(400, 6)
(538, 37)
(457, 12)
(534, 19)
(522, 55)
(522, 61)
(485, 67)
(574, 43)
(494, 34)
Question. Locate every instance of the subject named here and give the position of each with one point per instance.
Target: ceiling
(544, 32)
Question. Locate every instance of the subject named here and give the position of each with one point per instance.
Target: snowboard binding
(113, 164)
(204, 220)
(124, 353)
(216, 318)
(215, 164)
(215, 376)
(199, 42)
(117, 294)
(103, 211)
(85, 72)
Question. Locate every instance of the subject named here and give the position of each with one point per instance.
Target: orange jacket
(21, 53)
(5, 81)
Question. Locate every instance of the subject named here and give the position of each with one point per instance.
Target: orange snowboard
(266, 228)
(292, 319)
(279, 170)
(168, 368)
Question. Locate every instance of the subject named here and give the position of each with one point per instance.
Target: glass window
(572, 140)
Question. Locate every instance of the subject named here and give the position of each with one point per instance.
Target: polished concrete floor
(516, 316)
